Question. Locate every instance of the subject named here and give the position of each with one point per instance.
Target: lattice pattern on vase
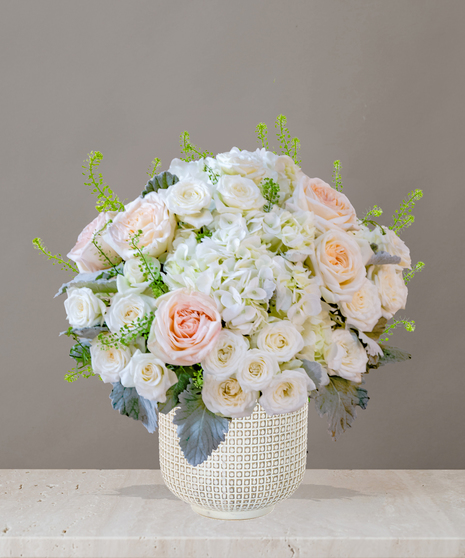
(261, 462)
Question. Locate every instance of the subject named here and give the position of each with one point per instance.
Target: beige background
(379, 85)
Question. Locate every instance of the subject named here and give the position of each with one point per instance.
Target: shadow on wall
(315, 492)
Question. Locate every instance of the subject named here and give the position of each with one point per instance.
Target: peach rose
(87, 257)
(340, 260)
(332, 208)
(186, 327)
(151, 216)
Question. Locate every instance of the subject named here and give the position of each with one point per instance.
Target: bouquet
(233, 280)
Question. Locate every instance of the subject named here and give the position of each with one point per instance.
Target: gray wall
(379, 85)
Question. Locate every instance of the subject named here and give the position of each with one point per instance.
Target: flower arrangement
(230, 281)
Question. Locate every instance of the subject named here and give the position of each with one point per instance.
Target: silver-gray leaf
(98, 282)
(87, 332)
(200, 431)
(315, 372)
(383, 258)
(338, 400)
(129, 403)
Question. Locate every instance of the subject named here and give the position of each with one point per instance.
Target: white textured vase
(261, 462)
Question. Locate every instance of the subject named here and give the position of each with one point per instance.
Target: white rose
(391, 288)
(135, 271)
(149, 375)
(149, 215)
(284, 165)
(244, 163)
(281, 339)
(226, 356)
(235, 193)
(346, 356)
(227, 398)
(287, 392)
(256, 370)
(364, 310)
(191, 169)
(126, 308)
(190, 199)
(340, 260)
(317, 335)
(83, 308)
(109, 362)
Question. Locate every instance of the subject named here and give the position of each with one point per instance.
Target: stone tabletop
(130, 513)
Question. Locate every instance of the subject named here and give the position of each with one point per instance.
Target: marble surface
(129, 514)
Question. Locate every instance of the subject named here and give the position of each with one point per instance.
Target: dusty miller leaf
(129, 403)
(315, 372)
(338, 400)
(184, 374)
(200, 431)
(393, 354)
(160, 181)
(98, 282)
(383, 258)
(86, 332)
(378, 330)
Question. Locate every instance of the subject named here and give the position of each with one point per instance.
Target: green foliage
(403, 217)
(198, 378)
(107, 200)
(130, 404)
(212, 175)
(262, 134)
(191, 152)
(415, 269)
(375, 211)
(160, 181)
(203, 233)
(149, 271)
(184, 374)
(270, 191)
(337, 179)
(66, 265)
(393, 354)
(200, 431)
(128, 334)
(80, 352)
(338, 400)
(289, 146)
(409, 325)
(151, 171)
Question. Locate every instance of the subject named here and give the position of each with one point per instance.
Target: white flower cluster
(264, 268)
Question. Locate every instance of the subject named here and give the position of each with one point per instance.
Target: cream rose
(391, 288)
(109, 362)
(287, 392)
(340, 260)
(186, 327)
(127, 307)
(281, 339)
(190, 199)
(346, 356)
(135, 271)
(256, 370)
(235, 194)
(149, 375)
(244, 163)
(226, 356)
(364, 310)
(149, 215)
(84, 308)
(331, 207)
(227, 398)
(87, 256)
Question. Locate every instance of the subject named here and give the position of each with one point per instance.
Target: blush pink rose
(186, 327)
(331, 207)
(149, 215)
(86, 255)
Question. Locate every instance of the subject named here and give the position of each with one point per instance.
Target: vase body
(261, 462)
